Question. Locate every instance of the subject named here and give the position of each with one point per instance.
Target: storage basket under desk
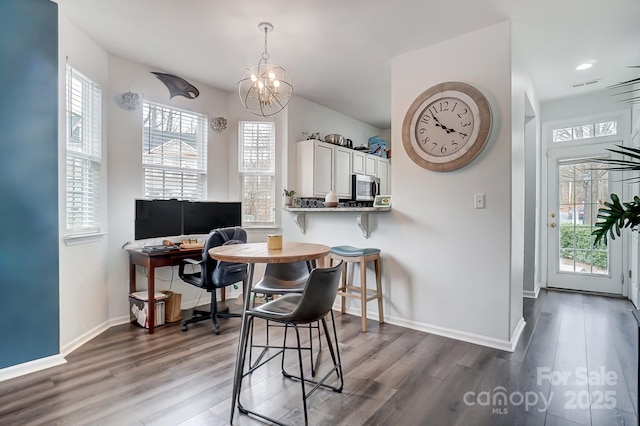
(139, 312)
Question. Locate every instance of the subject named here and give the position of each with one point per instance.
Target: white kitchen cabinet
(315, 168)
(323, 167)
(342, 158)
(384, 175)
(357, 163)
(370, 165)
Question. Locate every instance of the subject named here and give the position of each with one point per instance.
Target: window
(174, 153)
(585, 131)
(257, 172)
(84, 150)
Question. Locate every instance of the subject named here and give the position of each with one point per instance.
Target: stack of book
(139, 304)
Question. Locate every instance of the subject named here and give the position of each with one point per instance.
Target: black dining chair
(294, 310)
(279, 279)
(215, 274)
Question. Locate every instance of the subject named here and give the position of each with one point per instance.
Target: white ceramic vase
(331, 199)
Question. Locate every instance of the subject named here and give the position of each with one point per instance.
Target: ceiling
(339, 52)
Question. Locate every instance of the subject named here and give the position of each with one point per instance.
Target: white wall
(94, 275)
(579, 105)
(386, 135)
(635, 115)
(457, 260)
(634, 261)
(239, 113)
(126, 179)
(306, 116)
(446, 266)
(83, 272)
(525, 160)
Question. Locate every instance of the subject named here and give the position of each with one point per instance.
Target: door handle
(552, 224)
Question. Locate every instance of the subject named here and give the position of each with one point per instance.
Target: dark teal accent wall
(29, 279)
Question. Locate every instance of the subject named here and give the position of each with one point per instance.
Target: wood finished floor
(393, 376)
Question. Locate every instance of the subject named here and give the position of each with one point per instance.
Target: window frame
(574, 129)
(154, 172)
(83, 156)
(270, 173)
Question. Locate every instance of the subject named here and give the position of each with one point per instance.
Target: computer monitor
(204, 216)
(158, 218)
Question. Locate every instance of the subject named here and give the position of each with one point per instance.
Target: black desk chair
(295, 310)
(214, 274)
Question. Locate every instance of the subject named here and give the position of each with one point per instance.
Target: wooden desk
(258, 253)
(151, 261)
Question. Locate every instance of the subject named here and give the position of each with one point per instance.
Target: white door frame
(634, 250)
(623, 117)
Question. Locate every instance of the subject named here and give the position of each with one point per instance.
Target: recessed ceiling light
(582, 67)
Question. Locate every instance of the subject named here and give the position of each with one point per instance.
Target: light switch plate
(479, 201)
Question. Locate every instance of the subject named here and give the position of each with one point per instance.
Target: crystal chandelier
(265, 89)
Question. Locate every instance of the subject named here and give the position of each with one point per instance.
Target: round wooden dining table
(252, 253)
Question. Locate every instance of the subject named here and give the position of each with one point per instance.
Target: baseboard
(81, 340)
(532, 294)
(476, 339)
(186, 305)
(52, 361)
(503, 345)
(119, 321)
(517, 332)
(31, 367)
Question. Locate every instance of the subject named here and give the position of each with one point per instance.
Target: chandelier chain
(265, 54)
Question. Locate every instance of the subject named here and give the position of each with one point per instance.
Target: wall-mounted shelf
(362, 216)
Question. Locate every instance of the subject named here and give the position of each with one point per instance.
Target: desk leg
(132, 276)
(151, 286)
(241, 341)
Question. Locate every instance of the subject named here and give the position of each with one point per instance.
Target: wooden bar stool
(350, 254)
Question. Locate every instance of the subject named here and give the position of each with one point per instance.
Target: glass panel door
(577, 188)
(582, 187)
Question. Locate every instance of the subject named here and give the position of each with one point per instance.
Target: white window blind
(84, 148)
(174, 153)
(257, 172)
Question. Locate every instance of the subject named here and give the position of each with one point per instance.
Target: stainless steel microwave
(364, 187)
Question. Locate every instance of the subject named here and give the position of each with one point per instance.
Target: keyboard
(158, 248)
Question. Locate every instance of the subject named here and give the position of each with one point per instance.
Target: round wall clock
(446, 126)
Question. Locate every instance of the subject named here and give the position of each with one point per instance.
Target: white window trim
(91, 104)
(75, 239)
(271, 173)
(200, 169)
(569, 148)
(621, 117)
